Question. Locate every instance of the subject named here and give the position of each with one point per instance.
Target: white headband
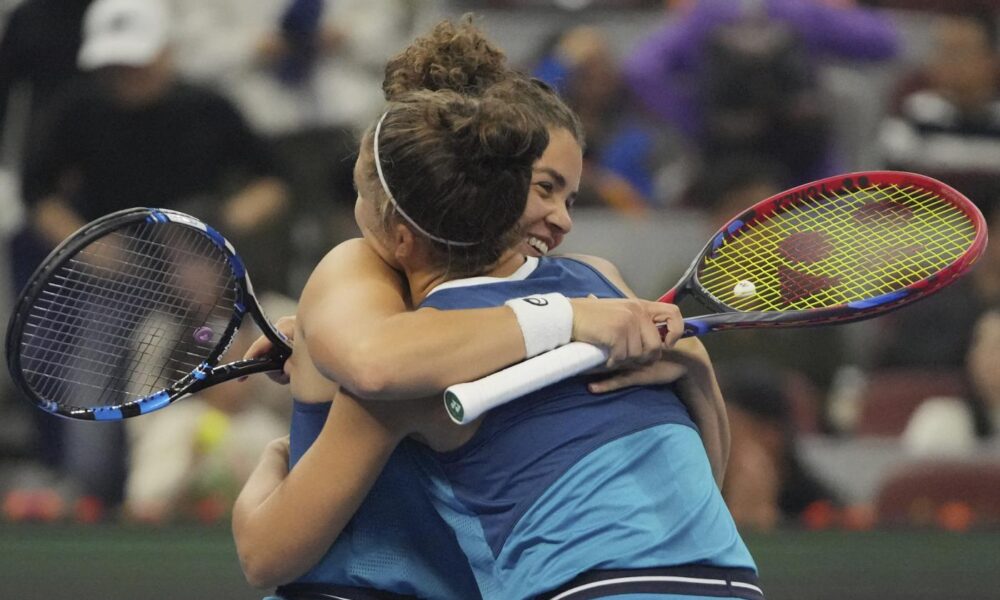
(399, 209)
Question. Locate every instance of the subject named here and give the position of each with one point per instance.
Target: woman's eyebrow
(560, 180)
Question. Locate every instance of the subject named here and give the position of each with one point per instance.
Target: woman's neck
(421, 281)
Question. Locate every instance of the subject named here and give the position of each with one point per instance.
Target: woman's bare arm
(284, 522)
(361, 332)
(360, 329)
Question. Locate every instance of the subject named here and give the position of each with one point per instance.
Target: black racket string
(71, 298)
(72, 307)
(101, 334)
(174, 353)
(109, 331)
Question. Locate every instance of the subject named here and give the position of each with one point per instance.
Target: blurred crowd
(246, 112)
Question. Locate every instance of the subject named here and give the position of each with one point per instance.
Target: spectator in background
(947, 425)
(766, 483)
(896, 345)
(728, 187)
(946, 120)
(306, 73)
(900, 345)
(292, 65)
(982, 363)
(137, 135)
(38, 49)
(902, 341)
(740, 75)
(134, 136)
(39, 41)
(633, 162)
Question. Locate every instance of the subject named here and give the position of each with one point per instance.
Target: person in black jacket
(136, 135)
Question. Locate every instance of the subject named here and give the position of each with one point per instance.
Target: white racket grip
(465, 402)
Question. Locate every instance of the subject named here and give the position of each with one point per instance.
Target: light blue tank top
(563, 481)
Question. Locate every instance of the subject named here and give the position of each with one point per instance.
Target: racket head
(839, 249)
(131, 313)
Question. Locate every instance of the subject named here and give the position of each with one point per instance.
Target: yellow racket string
(837, 248)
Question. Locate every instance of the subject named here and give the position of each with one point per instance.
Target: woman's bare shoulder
(352, 264)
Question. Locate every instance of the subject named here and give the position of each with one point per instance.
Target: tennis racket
(131, 313)
(841, 249)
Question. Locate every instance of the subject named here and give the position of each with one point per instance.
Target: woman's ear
(412, 250)
(405, 244)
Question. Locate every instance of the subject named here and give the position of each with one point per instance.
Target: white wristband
(546, 321)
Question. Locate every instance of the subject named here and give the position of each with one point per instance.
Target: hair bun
(453, 56)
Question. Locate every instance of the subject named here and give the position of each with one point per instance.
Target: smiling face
(555, 181)
(135, 87)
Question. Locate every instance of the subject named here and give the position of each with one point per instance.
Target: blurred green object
(113, 562)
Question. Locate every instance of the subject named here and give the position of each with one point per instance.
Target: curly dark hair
(458, 56)
(454, 56)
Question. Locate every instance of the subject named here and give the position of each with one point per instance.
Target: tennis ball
(213, 427)
(744, 289)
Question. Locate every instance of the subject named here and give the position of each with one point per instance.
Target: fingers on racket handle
(465, 402)
(692, 328)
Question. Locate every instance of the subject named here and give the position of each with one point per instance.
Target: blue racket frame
(206, 374)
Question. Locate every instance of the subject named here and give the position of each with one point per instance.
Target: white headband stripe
(399, 209)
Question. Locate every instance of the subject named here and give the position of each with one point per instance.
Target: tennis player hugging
(564, 493)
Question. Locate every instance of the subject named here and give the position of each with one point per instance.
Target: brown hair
(459, 57)
(458, 168)
(453, 56)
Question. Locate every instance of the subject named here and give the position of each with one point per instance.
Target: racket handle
(465, 402)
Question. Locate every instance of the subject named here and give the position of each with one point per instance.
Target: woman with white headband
(459, 252)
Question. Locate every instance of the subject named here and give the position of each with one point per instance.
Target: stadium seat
(952, 494)
(891, 396)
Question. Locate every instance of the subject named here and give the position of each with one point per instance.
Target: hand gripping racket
(841, 249)
(131, 313)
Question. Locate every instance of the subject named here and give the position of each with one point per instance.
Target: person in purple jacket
(737, 76)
